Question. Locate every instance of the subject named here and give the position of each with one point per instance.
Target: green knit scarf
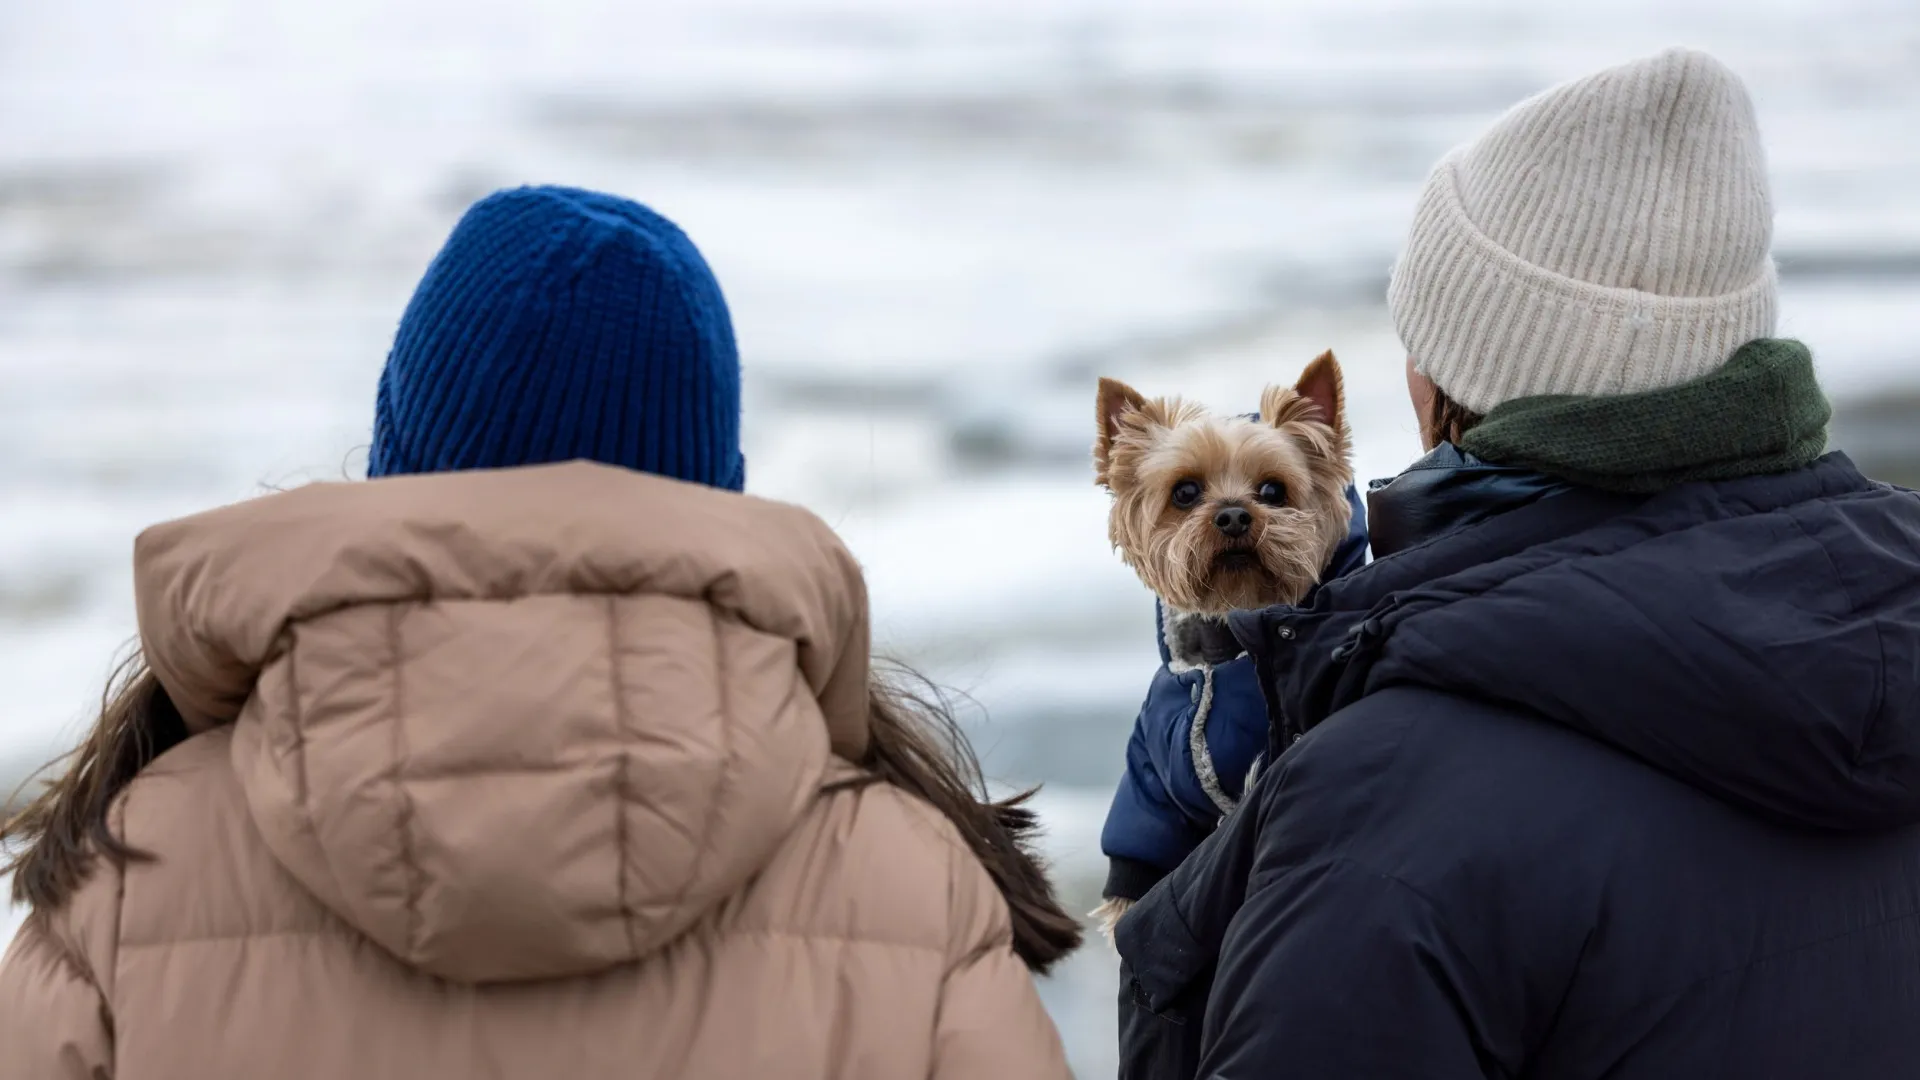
(1761, 413)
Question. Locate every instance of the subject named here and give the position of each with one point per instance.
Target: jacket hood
(1758, 639)
(516, 724)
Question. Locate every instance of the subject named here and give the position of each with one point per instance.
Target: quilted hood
(1757, 639)
(515, 724)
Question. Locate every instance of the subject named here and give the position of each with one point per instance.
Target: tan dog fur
(1173, 468)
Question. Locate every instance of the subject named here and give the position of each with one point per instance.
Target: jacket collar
(1444, 491)
(1447, 514)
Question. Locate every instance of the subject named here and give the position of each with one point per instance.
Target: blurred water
(936, 221)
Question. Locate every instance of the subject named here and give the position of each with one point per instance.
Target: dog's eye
(1273, 493)
(1186, 493)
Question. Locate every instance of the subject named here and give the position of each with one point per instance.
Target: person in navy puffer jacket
(1607, 766)
(1198, 738)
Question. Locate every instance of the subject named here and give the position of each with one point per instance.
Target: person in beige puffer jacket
(554, 771)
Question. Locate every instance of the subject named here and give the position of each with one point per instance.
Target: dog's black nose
(1233, 520)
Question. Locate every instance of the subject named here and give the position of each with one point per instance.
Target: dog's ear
(1323, 385)
(1319, 397)
(1113, 401)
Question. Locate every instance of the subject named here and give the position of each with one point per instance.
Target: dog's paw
(1109, 912)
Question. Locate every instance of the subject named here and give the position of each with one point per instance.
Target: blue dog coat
(1198, 738)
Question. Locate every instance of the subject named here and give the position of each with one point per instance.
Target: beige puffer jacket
(518, 774)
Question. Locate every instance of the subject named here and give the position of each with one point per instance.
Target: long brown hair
(1446, 420)
(917, 745)
(64, 826)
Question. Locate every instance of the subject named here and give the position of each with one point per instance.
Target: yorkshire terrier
(1220, 513)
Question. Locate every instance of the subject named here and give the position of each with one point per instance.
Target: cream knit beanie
(1606, 237)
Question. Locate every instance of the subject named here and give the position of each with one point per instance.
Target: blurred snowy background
(937, 221)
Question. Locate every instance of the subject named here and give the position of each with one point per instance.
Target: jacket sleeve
(1340, 971)
(991, 1024)
(1146, 825)
(53, 1019)
(1337, 963)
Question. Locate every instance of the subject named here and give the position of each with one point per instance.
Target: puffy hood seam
(729, 761)
(413, 876)
(624, 795)
(302, 797)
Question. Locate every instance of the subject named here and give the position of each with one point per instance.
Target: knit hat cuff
(1489, 327)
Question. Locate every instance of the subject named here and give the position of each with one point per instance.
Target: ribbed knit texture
(1760, 413)
(558, 324)
(1608, 236)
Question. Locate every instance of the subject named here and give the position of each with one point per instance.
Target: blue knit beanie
(559, 324)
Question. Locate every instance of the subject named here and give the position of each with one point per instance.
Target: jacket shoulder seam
(1438, 911)
(1768, 957)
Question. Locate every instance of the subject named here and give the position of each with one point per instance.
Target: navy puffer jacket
(1592, 787)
